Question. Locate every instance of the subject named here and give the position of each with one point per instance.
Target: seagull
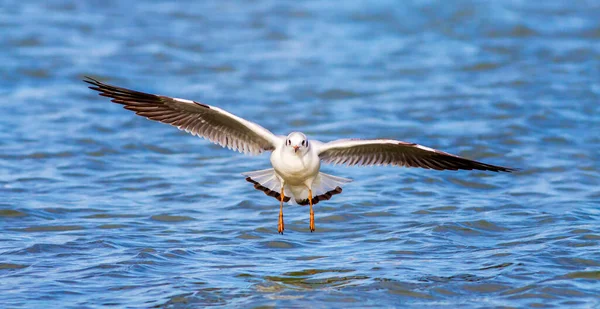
(296, 160)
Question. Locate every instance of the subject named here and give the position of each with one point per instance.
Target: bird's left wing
(392, 152)
(210, 122)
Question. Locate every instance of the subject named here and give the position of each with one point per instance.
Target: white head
(297, 143)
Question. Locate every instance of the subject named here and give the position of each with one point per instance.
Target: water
(101, 208)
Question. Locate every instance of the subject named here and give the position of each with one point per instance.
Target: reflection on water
(102, 208)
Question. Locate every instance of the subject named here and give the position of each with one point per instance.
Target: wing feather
(212, 123)
(392, 152)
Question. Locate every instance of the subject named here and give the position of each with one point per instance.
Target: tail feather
(266, 181)
(323, 188)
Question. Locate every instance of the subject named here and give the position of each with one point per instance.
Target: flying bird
(296, 160)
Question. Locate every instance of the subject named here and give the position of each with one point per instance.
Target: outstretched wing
(210, 122)
(392, 152)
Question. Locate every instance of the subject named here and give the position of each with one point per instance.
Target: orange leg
(280, 225)
(312, 213)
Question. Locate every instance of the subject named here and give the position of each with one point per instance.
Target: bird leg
(280, 225)
(312, 213)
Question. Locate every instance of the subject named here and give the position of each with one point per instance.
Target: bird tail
(266, 181)
(323, 188)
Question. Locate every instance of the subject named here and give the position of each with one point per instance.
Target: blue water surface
(101, 208)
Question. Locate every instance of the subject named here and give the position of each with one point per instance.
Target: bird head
(297, 143)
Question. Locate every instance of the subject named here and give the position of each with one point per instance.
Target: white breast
(295, 169)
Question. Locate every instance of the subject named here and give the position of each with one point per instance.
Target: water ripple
(102, 208)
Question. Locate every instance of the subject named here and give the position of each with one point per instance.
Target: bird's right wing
(210, 122)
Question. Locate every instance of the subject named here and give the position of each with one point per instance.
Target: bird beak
(296, 148)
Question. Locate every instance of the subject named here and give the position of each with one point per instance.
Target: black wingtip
(92, 81)
(88, 79)
(496, 168)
